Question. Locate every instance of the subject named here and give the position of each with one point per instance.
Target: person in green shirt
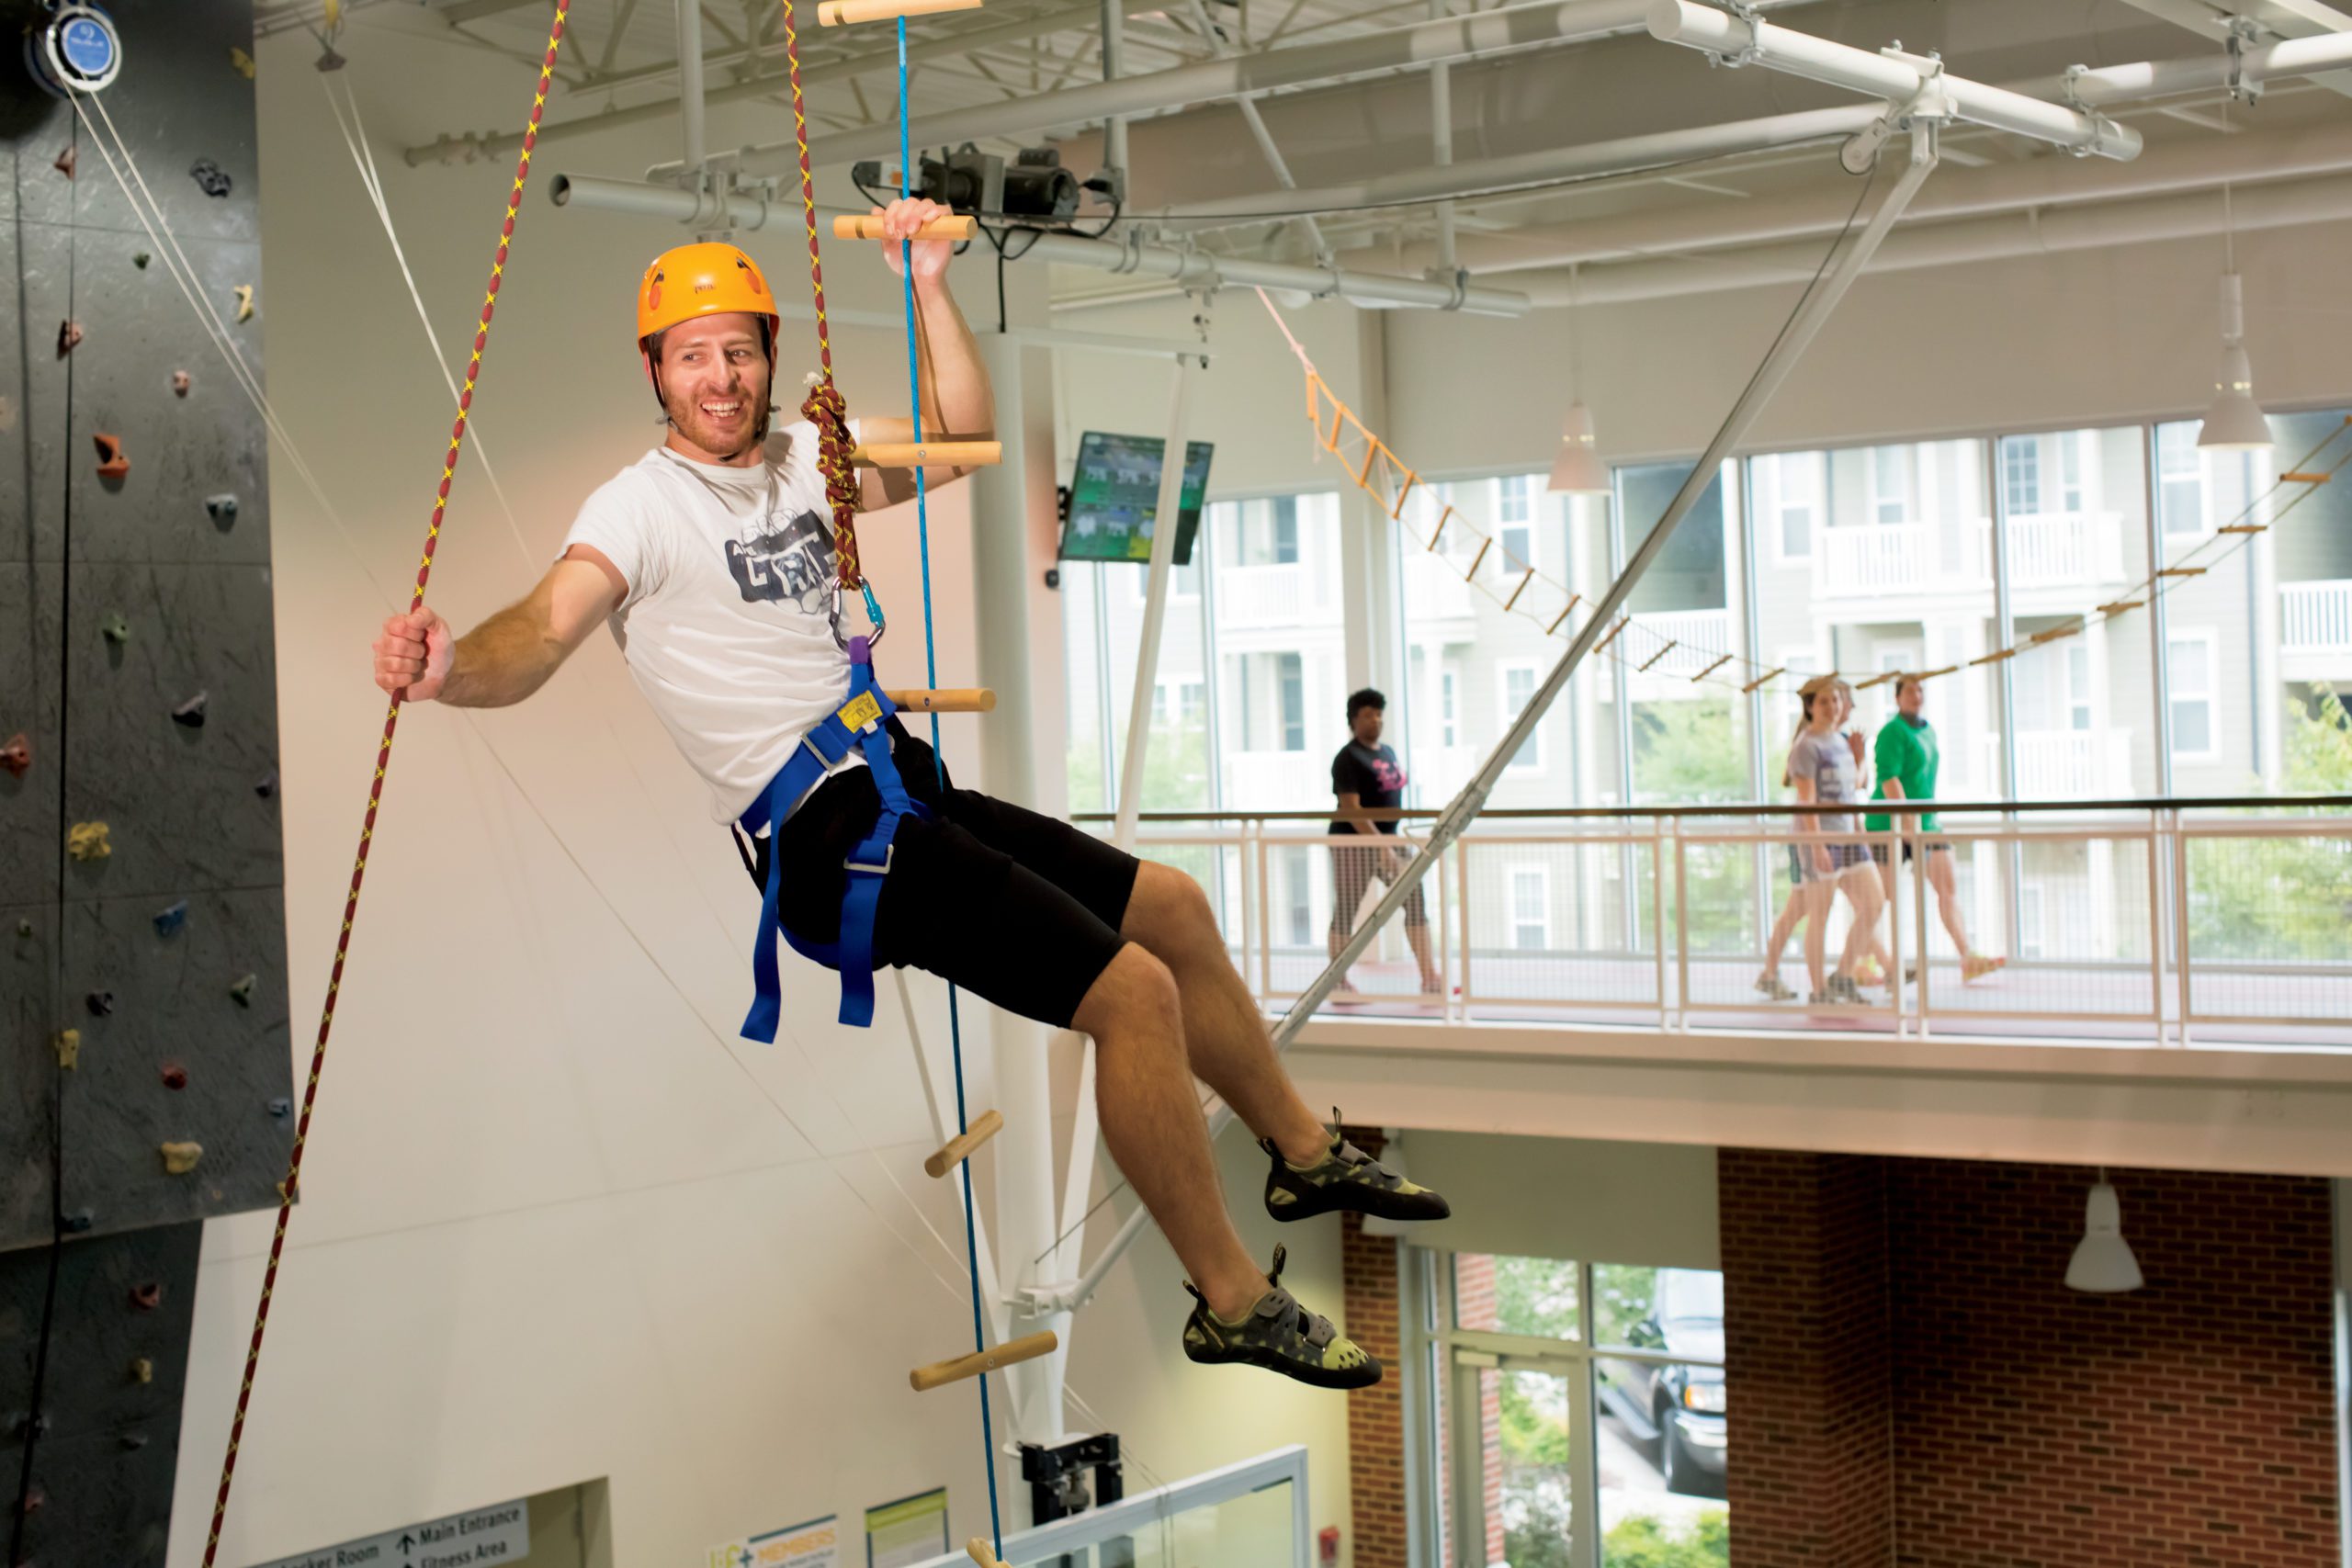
(1906, 759)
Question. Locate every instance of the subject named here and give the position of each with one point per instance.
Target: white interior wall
(1575, 1198)
(2076, 339)
(558, 1222)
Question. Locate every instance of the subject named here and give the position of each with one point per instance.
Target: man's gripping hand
(413, 656)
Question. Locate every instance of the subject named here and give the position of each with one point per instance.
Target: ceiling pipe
(2163, 78)
(1413, 47)
(1187, 268)
(505, 145)
(1892, 75)
(2154, 220)
(1954, 192)
(1592, 159)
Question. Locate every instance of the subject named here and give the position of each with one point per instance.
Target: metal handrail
(1762, 808)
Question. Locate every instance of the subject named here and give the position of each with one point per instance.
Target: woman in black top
(1366, 775)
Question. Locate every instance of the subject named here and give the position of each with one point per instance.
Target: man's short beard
(759, 426)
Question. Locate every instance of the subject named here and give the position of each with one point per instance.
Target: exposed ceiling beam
(460, 11)
(2286, 18)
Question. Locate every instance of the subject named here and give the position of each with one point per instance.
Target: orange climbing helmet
(708, 278)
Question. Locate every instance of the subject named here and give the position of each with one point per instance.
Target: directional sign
(816, 1544)
(478, 1535)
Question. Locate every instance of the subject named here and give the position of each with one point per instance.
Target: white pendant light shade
(1577, 468)
(2235, 423)
(2103, 1263)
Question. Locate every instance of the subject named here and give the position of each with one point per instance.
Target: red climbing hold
(65, 164)
(18, 755)
(112, 464)
(175, 1076)
(68, 334)
(147, 1297)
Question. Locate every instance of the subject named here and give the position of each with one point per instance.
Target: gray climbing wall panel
(108, 1431)
(138, 657)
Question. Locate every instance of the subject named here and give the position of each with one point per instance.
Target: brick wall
(1805, 1360)
(1376, 1414)
(1912, 1383)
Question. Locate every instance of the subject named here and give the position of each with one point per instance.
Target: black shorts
(1356, 863)
(1878, 852)
(1012, 907)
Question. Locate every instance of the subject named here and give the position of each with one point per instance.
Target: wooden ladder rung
(928, 455)
(847, 13)
(1026, 1348)
(954, 699)
(977, 1550)
(870, 228)
(2296, 476)
(959, 1147)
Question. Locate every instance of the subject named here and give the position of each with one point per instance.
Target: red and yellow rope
(288, 1187)
(825, 407)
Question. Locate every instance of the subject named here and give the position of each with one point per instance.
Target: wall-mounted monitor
(1115, 490)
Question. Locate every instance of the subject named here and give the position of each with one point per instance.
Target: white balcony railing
(1879, 557)
(1293, 780)
(2066, 764)
(2065, 549)
(1254, 598)
(1434, 590)
(2315, 617)
(1700, 638)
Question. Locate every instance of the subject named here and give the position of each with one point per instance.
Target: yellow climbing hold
(242, 62)
(180, 1158)
(245, 301)
(87, 841)
(142, 1369)
(69, 1048)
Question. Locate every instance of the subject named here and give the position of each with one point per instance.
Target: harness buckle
(889, 852)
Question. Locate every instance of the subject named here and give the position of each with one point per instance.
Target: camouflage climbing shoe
(1279, 1335)
(1346, 1177)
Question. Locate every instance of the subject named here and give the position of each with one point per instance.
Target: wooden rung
(1711, 669)
(870, 228)
(2242, 528)
(2294, 476)
(1396, 513)
(977, 1550)
(1931, 675)
(1026, 1348)
(1518, 590)
(1622, 624)
(928, 454)
(959, 1147)
(1563, 615)
(2182, 571)
(1653, 658)
(846, 13)
(2120, 605)
(2055, 633)
(1994, 658)
(1443, 518)
(1761, 679)
(1484, 546)
(954, 699)
(1878, 680)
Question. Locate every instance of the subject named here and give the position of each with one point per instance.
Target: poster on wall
(816, 1544)
(910, 1530)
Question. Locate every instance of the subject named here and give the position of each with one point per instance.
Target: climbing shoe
(1345, 1177)
(1842, 988)
(1279, 1335)
(1773, 987)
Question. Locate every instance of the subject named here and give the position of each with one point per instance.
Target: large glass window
(1581, 1412)
(1275, 619)
(1685, 718)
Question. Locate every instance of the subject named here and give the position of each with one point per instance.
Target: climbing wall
(144, 1079)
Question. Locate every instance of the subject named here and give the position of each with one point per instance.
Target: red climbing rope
(825, 407)
(288, 1187)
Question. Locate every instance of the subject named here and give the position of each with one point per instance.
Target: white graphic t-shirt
(731, 620)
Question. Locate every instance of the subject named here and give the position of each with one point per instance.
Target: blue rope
(939, 773)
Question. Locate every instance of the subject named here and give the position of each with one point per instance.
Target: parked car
(1674, 1408)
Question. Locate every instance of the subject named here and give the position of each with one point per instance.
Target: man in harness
(710, 560)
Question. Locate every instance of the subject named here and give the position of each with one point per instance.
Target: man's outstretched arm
(958, 402)
(510, 655)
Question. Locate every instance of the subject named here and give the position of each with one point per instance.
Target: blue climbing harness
(861, 722)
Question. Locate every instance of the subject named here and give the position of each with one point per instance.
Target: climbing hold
(180, 1158)
(221, 508)
(245, 301)
(242, 62)
(147, 1297)
(267, 785)
(190, 714)
(141, 1369)
(79, 1221)
(244, 990)
(68, 1044)
(207, 174)
(280, 1105)
(116, 628)
(18, 755)
(69, 333)
(65, 162)
(140, 259)
(134, 1440)
(179, 383)
(977, 1550)
(24, 929)
(87, 841)
(175, 1076)
(169, 922)
(35, 1500)
(112, 464)
(100, 1003)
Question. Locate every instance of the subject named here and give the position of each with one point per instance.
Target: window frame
(2209, 637)
(1507, 715)
(1541, 876)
